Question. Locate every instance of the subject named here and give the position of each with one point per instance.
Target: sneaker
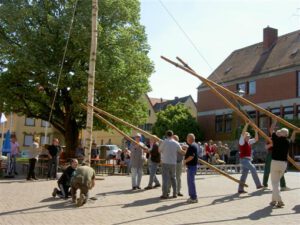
(35, 178)
(280, 204)
(156, 185)
(179, 194)
(174, 196)
(265, 188)
(273, 203)
(242, 192)
(138, 187)
(134, 188)
(54, 192)
(148, 188)
(191, 201)
(80, 201)
(260, 187)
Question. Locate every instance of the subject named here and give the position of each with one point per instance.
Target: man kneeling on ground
(84, 180)
(64, 182)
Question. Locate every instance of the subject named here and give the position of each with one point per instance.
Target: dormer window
(228, 70)
(294, 52)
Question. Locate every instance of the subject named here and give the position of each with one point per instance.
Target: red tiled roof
(254, 60)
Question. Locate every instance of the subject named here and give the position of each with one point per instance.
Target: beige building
(112, 137)
(26, 129)
(187, 101)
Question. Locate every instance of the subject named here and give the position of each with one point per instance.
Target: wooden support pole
(156, 138)
(115, 128)
(212, 86)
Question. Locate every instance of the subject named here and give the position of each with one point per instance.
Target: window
(252, 87)
(149, 112)
(275, 111)
(219, 123)
(264, 123)
(288, 112)
(29, 121)
(28, 139)
(228, 120)
(45, 140)
(298, 111)
(242, 87)
(45, 123)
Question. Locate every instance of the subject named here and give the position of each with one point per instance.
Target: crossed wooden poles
(214, 86)
(102, 112)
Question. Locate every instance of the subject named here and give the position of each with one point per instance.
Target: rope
(191, 41)
(60, 71)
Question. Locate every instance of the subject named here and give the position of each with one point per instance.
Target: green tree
(178, 119)
(33, 36)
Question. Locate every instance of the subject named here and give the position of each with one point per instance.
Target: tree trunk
(71, 138)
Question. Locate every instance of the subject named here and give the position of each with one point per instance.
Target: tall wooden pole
(91, 80)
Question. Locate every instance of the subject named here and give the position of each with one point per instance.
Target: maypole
(91, 80)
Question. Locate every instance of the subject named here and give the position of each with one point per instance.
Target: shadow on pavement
(142, 202)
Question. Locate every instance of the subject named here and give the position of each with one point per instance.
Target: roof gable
(254, 60)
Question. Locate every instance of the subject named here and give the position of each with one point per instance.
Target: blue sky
(207, 32)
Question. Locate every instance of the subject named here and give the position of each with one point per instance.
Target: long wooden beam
(154, 137)
(244, 100)
(115, 128)
(212, 86)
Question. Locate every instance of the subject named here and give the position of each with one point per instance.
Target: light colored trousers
(136, 176)
(277, 170)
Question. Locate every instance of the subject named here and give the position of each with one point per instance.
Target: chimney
(270, 37)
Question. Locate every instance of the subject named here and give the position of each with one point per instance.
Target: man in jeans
(168, 149)
(137, 161)
(245, 143)
(154, 161)
(191, 161)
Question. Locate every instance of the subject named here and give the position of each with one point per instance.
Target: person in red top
(245, 143)
(210, 150)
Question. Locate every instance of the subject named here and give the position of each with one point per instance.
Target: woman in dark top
(281, 145)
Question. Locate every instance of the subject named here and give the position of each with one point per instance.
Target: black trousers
(31, 173)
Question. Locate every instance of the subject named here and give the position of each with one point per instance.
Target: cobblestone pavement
(24, 202)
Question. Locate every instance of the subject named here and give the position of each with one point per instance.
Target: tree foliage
(178, 119)
(33, 36)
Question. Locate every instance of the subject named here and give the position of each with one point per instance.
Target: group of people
(74, 178)
(214, 153)
(276, 161)
(52, 152)
(171, 155)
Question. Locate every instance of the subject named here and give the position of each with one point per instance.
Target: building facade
(26, 129)
(266, 73)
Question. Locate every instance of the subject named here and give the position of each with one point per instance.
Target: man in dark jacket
(64, 182)
(154, 160)
(54, 151)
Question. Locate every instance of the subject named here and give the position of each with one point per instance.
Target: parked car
(108, 151)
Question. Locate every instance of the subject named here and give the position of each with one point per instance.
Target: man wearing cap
(245, 143)
(281, 145)
(137, 161)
